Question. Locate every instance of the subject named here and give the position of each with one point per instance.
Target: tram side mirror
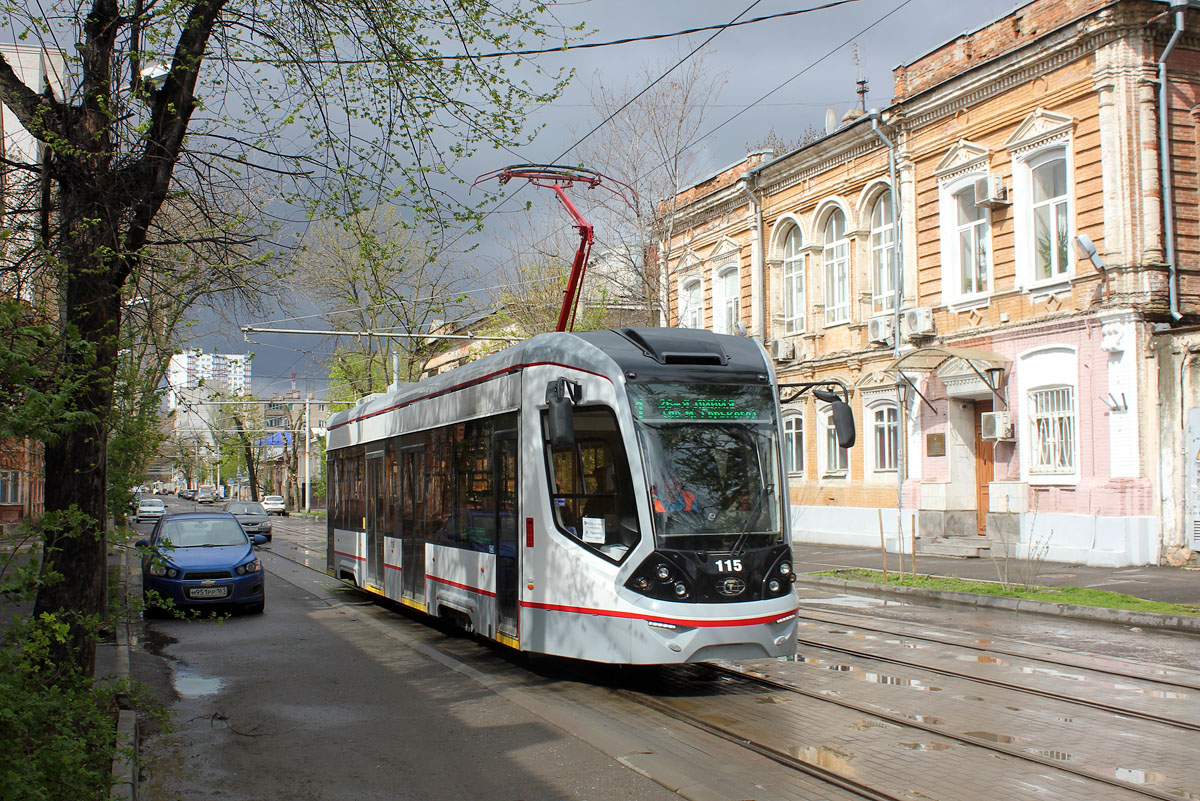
(560, 416)
(843, 417)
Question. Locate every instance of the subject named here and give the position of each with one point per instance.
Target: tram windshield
(711, 456)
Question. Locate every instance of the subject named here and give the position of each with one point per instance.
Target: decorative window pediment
(1038, 129)
(964, 157)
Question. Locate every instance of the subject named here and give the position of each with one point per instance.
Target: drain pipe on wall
(1179, 7)
(758, 263)
(898, 284)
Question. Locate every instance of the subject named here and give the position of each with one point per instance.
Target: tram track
(1050, 694)
(867, 623)
(705, 717)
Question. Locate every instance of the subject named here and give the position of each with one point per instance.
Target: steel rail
(834, 621)
(904, 722)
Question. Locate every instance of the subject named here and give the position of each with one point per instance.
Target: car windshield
(245, 509)
(273, 498)
(151, 503)
(200, 533)
(711, 459)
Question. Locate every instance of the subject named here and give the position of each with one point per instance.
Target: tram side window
(476, 500)
(591, 489)
(440, 490)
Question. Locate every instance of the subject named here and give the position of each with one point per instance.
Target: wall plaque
(935, 444)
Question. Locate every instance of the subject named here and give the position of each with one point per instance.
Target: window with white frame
(836, 256)
(1051, 226)
(883, 255)
(794, 300)
(1051, 413)
(726, 301)
(1042, 214)
(837, 458)
(885, 430)
(10, 487)
(691, 307)
(793, 442)
(973, 240)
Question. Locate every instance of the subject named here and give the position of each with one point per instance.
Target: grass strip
(1080, 596)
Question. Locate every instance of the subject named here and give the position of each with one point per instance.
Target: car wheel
(256, 609)
(268, 536)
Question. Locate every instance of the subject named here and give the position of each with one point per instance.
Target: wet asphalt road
(326, 696)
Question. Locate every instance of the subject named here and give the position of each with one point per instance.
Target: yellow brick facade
(1056, 89)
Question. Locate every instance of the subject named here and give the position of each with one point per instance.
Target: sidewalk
(1153, 583)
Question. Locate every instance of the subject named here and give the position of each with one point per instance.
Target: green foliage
(57, 732)
(37, 394)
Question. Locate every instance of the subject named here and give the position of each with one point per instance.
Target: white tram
(615, 496)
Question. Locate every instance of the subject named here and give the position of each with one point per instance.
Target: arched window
(885, 430)
(837, 269)
(1051, 218)
(691, 305)
(795, 263)
(883, 255)
(726, 300)
(793, 442)
(836, 458)
(973, 242)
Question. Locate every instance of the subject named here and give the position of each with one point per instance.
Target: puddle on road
(925, 746)
(991, 736)
(190, 684)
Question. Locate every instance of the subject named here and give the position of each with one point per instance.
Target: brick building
(1025, 379)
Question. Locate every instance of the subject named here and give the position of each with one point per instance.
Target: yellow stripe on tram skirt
(509, 640)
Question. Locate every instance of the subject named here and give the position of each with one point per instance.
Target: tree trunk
(250, 469)
(76, 471)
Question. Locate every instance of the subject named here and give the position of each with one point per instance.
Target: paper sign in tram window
(593, 530)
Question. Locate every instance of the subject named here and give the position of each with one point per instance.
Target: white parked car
(274, 505)
(150, 509)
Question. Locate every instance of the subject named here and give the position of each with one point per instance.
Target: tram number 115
(730, 565)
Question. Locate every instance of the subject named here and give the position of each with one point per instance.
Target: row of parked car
(200, 559)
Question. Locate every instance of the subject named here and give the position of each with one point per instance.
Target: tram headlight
(663, 572)
(680, 589)
(641, 582)
(773, 585)
(785, 569)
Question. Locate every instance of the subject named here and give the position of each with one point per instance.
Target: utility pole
(307, 471)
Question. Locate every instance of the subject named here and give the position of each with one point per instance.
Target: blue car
(202, 559)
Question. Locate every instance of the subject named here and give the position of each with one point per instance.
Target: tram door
(376, 498)
(504, 450)
(412, 522)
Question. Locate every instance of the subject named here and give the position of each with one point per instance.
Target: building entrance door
(985, 468)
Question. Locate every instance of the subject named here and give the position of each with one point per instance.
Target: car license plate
(208, 592)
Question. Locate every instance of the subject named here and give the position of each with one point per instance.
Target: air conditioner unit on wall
(782, 350)
(997, 426)
(990, 191)
(879, 329)
(917, 322)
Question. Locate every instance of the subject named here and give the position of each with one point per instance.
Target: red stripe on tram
(466, 587)
(693, 623)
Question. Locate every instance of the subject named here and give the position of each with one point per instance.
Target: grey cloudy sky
(820, 55)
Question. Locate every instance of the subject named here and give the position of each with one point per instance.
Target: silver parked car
(150, 509)
(252, 516)
(275, 505)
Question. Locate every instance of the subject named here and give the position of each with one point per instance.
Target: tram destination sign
(693, 402)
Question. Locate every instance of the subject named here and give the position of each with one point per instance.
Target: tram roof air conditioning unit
(997, 426)
(917, 322)
(879, 329)
(991, 192)
(782, 350)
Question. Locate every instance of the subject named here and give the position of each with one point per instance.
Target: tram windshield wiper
(752, 520)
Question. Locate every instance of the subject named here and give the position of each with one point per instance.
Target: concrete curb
(124, 766)
(1124, 617)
